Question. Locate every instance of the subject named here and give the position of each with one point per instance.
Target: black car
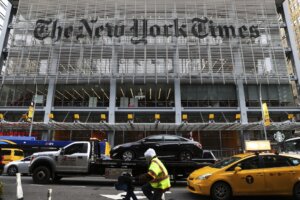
(166, 147)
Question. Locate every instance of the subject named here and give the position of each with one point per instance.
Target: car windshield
(225, 162)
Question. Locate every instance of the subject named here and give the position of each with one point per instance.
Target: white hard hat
(150, 153)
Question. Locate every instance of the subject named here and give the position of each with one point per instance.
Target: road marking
(139, 195)
(36, 185)
(78, 186)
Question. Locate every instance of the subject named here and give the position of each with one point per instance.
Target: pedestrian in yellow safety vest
(157, 177)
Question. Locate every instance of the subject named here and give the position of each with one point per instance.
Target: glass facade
(210, 41)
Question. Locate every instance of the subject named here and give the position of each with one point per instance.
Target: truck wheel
(221, 191)
(185, 155)
(41, 175)
(296, 191)
(12, 170)
(127, 155)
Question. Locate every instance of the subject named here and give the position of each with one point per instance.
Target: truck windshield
(225, 162)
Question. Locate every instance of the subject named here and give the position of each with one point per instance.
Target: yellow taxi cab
(11, 154)
(248, 174)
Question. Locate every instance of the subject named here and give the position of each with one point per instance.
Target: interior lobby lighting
(150, 93)
(159, 92)
(58, 97)
(169, 92)
(62, 95)
(104, 93)
(131, 92)
(122, 92)
(77, 93)
(42, 93)
(96, 93)
(86, 92)
(70, 94)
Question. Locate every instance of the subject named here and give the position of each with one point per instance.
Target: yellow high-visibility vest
(160, 175)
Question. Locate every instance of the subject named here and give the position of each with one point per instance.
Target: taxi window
(250, 163)
(225, 162)
(271, 161)
(293, 161)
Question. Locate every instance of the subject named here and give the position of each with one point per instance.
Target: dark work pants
(152, 193)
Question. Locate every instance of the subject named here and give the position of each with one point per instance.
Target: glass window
(275, 161)
(5, 152)
(19, 153)
(294, 161)
(76, 148)
(27, 158)
(207, 155)
(225, 162)
(154, 138)
(251, 163)
(170, 138)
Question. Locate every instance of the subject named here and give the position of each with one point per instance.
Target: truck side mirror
(62, 151)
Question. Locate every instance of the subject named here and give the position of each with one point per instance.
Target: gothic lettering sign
(140, 30)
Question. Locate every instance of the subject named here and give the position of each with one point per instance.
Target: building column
(49, 100)
(292, 40)
(242, 101)
(238, 69)
(112, 109)
(177, 94)
(177, 91)
(48, 108)
(240, 93)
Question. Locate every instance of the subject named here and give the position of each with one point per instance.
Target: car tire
(41, 175)
(296, 191)
(221, 191)
(127, 155)
(12, 170)
(185, 155)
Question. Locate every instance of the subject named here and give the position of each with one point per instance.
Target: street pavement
(93, 188)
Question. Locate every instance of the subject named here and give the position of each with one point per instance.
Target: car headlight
(204, 176)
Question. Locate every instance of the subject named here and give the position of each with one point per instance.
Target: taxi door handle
(260, 174)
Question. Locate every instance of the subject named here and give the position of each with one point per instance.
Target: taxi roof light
(258, 145)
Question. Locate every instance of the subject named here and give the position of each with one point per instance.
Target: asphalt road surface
(93, 188)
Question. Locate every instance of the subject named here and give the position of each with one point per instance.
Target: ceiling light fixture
(96, 93)
(77, 93)
(159, 92)
(169, 92)
(104, 93)
(122, 92)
